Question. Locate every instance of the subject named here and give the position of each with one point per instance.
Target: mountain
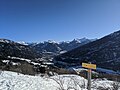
(18, 57)
(13, 49)
(67, 46)
(57, 48)
(29, 58)
(104, 52)
(47, 46)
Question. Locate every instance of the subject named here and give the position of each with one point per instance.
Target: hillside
(104, 52)
(17, 57)
(13, 49)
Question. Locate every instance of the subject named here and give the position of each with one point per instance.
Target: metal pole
(89, 79)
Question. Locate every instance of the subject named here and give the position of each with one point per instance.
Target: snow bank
(15, 81)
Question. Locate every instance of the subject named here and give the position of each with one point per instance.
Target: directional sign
(90, 66)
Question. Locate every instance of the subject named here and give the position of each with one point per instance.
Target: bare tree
(77, 82)
(72, 83)
(115, 86)
(101, 87)
(60, 81)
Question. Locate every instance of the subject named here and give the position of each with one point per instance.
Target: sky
(59, 20)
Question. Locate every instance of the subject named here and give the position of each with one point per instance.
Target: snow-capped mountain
(47, 47)
(104, 52)
(23, 43)
(6, 41)
(67, 46)
(59, 47)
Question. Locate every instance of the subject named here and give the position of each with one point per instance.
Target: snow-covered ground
(15, 81)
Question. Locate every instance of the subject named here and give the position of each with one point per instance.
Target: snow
(102, 83)
(51, 41)
(62, 42)
(22, 42)
(61, 52)
(77, 40)
(48, 63)
(14, 81)
(23, 59)
(5, 61)
(13, 63)
(5, 41)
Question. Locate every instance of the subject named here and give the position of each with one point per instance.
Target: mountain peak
(52, 46)
(23, 43)
(6, 41)
(51, 41)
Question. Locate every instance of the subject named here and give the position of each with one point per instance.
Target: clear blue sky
(39, 20)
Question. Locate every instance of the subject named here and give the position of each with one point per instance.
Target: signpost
(89, 66)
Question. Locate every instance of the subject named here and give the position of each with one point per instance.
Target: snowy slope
(14, 81)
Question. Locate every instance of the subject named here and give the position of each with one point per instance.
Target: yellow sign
(87, 65)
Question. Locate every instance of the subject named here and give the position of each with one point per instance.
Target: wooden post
(90, 67)
(89, 80)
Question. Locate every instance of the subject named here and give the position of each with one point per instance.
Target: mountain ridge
(104, 52)
(57, 47)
